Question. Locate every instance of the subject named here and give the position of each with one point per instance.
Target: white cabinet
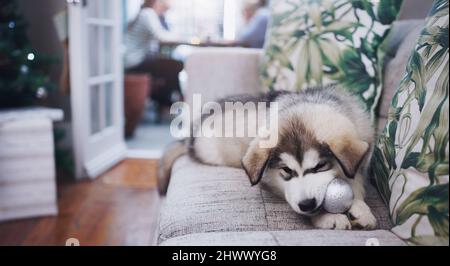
(27, 163)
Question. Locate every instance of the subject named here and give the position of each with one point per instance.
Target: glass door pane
(95, 109)
(108, 57)
(109, 112)
(101, 61)
(94, 51)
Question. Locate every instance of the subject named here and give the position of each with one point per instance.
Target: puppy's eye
(322, 166)
(287, 173)
(287, 170)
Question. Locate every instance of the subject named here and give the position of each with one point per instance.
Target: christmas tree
(23, 72)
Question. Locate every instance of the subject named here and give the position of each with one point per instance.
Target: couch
(208, 205)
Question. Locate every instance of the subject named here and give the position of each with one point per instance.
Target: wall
(415, 9)
(43, 37)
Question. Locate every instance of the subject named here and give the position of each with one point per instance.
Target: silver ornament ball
(339, 196)
(41, 93)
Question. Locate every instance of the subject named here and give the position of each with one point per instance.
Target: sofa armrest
(218, 72)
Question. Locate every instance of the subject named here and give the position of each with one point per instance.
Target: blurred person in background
(144, 34)
(256, 16)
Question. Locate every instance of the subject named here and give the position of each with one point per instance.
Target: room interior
(79, 162)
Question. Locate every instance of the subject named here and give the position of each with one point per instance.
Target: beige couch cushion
(205, 198)
(288, 238)
(220, 72)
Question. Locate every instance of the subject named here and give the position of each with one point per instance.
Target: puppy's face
(302, 164)
(303, 179)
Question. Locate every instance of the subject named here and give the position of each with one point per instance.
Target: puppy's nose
(307, 205)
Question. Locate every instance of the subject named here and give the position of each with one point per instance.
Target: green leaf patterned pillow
(319, 42)
(411, 160)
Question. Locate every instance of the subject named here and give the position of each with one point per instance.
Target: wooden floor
(119, 208)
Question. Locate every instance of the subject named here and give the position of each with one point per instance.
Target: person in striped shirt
(142, 40)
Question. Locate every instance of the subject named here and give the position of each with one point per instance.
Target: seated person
(142, 47)
(253, 34)
(256, 16)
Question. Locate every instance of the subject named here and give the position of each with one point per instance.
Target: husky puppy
(323, 133)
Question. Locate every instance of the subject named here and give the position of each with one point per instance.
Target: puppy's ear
(255, 161)
(349, 153)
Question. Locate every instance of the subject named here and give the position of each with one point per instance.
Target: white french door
(95, 32)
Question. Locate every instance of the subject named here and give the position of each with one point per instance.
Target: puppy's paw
(361, 217)
(332, 221)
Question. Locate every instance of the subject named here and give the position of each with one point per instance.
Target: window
(197, 18)
(203, 19)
